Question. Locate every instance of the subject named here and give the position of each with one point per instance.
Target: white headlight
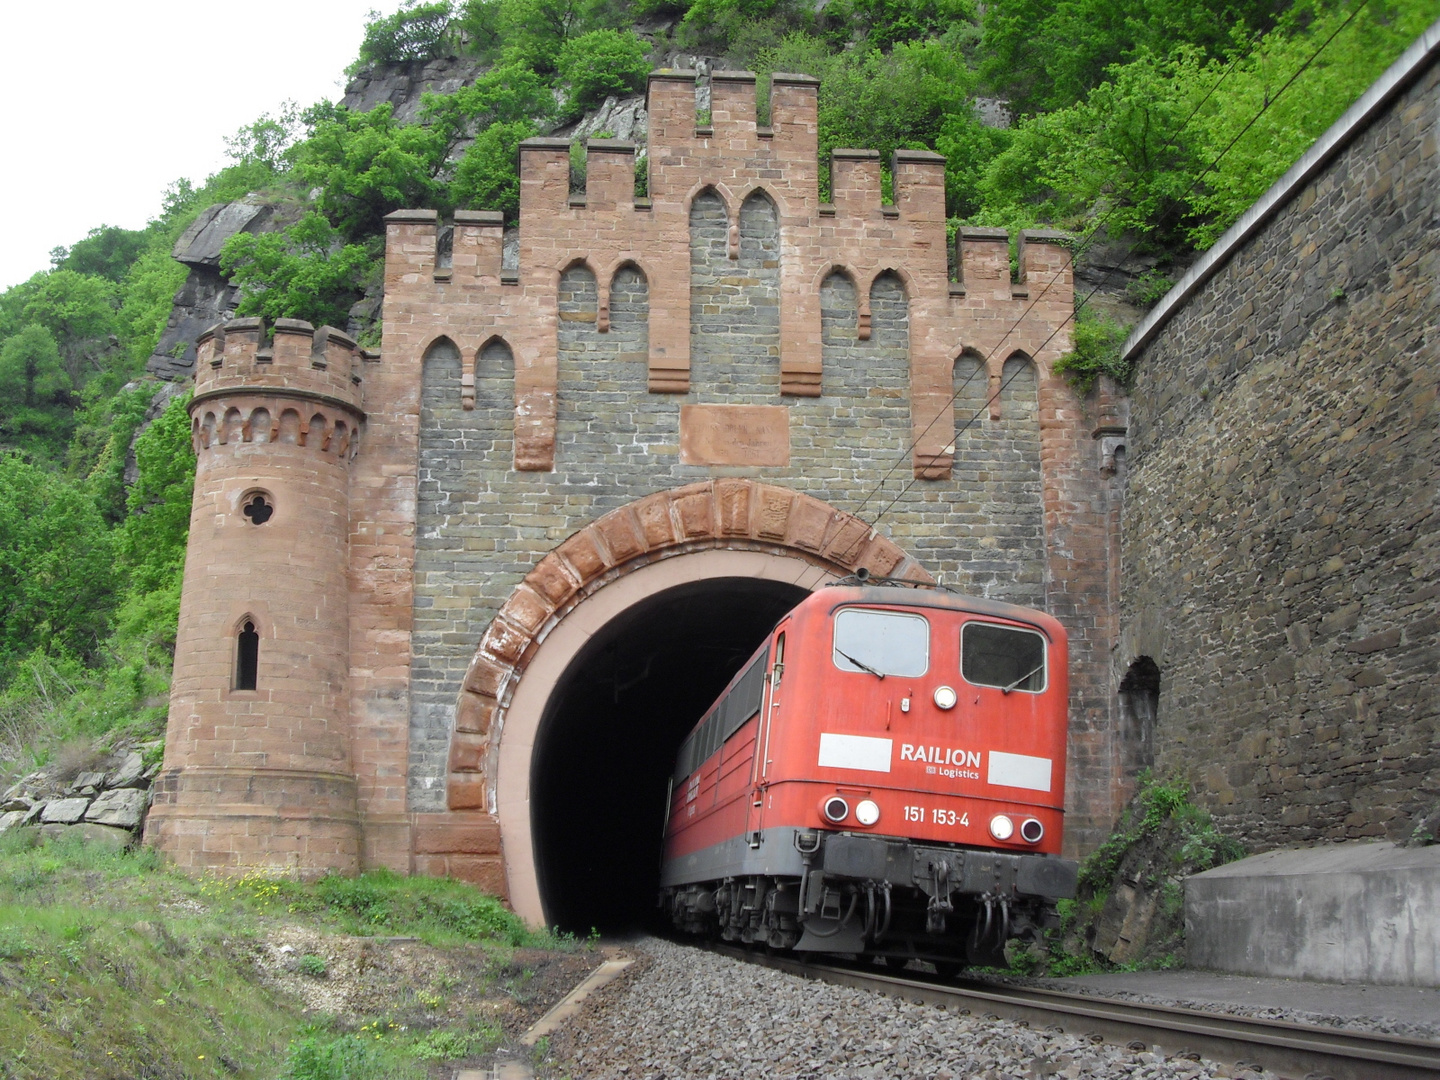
(867, 812)
(1001, 827)
(945, 697)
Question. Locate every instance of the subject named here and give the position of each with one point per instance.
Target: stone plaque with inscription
(734, 435)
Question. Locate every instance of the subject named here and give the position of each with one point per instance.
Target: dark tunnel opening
(608, 738)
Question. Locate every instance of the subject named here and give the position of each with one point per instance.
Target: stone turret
(258, 768)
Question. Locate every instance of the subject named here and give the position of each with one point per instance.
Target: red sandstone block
(618, 532)
(452, 834)
(465, 791)
(467, 752)
(486, 677)
(733, 500)
(809, 521)
(584, 555)
(696, 513)
(550, 580)
(486, 873)
(526, 610)
(474, 713)
(772, 518)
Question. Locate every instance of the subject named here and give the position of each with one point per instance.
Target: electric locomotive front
(885, 775)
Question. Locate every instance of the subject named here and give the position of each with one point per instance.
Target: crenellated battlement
(297, 359)
(730, 157)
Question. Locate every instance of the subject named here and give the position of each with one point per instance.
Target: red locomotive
(885, 775)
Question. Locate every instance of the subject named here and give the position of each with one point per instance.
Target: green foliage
(311, 965)
(106, 252)
(149, 288)
(266, 141)
(437, 910)
(743, 28)
(1045, 55)
(601, 63)
(57, 584)
(416, 32)
(875, 100)
(303, 272)
(1159, 806)
(532, 33)
(79, 311)
(889, 22)
(152, 539)
(1096, 341)
(36, 394)
(486, 178)
(368, 164)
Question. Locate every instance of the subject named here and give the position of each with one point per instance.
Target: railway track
(1292, 1051)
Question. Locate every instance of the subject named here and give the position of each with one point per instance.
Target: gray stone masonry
(1281, 539)
(482, 526)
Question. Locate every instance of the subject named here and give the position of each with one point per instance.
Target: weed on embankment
(113, 966)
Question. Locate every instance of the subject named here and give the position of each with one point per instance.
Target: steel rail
(1292, 1051)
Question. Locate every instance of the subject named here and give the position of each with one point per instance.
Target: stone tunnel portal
(608, 735)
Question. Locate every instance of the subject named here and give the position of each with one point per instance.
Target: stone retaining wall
(1281, 540)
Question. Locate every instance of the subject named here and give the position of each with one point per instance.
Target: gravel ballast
(682, 1012)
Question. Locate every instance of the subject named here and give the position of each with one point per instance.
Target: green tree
(106, 252)
(533, 32)
(303, 272)
(889, 22)
(486, 178)
(416, 32)
(368, 164)
(1047, 55)
(267, 140)
(57, 573)
(36, 394)
(79, 311)
(601, 63)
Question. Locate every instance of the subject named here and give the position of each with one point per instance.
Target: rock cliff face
(402, 85)
(206, 297)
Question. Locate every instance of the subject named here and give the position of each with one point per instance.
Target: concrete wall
(1349, 913)
(1281, 541)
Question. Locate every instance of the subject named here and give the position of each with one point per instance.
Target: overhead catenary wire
(1079, 248)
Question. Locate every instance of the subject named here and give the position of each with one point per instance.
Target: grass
(112, 966)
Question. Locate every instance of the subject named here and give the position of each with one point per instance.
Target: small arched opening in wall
(573, 732)
(1139, 707)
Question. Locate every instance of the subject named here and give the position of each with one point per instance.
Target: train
(884, 776)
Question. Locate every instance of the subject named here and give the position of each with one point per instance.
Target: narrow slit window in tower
(247, 658)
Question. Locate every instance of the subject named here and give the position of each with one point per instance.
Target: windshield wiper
(861, 664)
(1022, 678)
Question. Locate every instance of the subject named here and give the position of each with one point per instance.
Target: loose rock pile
(693, 1014)
(106, 803)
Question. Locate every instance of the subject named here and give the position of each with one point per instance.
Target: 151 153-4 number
(936, 815)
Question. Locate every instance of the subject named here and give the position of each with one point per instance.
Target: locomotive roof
(833, 596)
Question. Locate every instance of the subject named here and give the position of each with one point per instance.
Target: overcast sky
(106, 103)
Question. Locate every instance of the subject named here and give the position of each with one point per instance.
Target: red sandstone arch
(751, 526)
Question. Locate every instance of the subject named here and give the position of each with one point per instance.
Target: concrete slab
(1362, 913)
(1402, 1004)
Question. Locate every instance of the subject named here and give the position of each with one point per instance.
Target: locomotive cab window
(881, 642)
(1002, 656)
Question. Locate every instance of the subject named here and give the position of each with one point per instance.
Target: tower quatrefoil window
(258, 510)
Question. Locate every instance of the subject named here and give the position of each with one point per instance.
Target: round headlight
(835, 808)
(1031, 831)
(867, 812)
(945, 697)
(1001, 827)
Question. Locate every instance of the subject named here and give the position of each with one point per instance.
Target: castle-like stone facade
(727, 377)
